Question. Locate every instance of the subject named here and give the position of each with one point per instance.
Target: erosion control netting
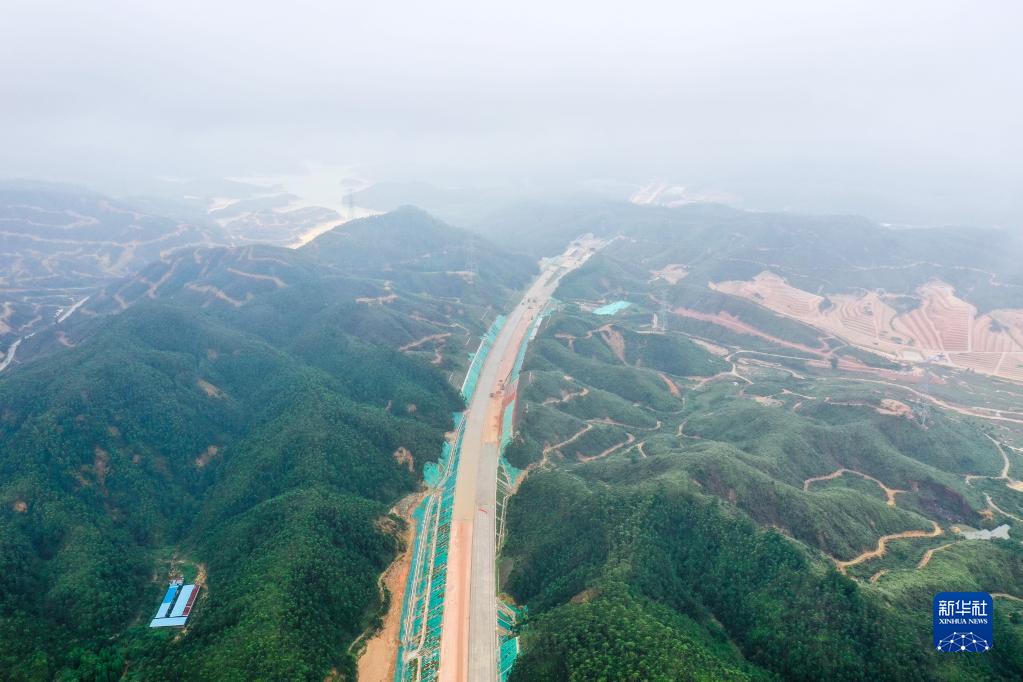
(472, 375)
(423, 605)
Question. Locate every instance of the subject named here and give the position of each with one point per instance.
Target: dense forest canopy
(259, 444)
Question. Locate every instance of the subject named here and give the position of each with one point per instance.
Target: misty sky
(905, 110)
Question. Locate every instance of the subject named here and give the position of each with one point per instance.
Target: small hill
(410, 245)
(459, 205)
(217, 276)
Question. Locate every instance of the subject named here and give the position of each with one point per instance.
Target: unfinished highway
(469, 637)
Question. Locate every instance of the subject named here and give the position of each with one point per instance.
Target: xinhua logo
(963, 622)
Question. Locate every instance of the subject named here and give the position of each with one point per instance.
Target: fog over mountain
(511, 342)
(907, 112)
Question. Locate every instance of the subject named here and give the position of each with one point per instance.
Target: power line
(471, 265)
(350, 206)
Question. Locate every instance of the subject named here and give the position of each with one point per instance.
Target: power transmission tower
(471, 266)
(662, 317)
(925, 388)
(350, 206)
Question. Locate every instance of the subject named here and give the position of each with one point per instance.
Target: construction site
(453, 624)
(943, 328)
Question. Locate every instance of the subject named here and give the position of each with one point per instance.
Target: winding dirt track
(1003, 475)
(426, 339)
(571, 439)
(930, 553)
(890, 493)
(882, 545)
(980, 412)
(992, 505)
(566, 396)
(629, 440)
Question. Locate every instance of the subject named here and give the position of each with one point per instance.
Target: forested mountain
(174, 431)
(244, 415)
(421, 253)
(412, 291)
(725, 483)
(747, 457)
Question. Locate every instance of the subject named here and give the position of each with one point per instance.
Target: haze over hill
(903, 113)
(463, 342)
(61, 242)
(857, 459)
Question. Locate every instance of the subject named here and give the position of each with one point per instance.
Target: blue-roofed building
(176, 606)
(168, 599)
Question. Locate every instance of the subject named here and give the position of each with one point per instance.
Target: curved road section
(469, 635)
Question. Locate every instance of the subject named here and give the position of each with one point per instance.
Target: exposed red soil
(882, 545)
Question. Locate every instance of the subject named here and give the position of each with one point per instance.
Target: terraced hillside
(946, 296)
(58, 243)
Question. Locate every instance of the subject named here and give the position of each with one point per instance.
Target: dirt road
(378, 659)
(882, 545)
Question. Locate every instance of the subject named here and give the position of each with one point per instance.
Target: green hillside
(708, 482)
(175, 431)
(395, 279)
(235, 413)
(421, 253)
(715, 531)
(729, 528)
